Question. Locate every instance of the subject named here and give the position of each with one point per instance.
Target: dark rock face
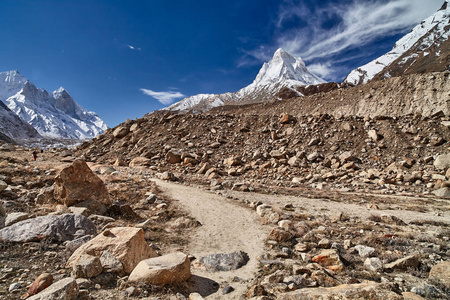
(225, 261)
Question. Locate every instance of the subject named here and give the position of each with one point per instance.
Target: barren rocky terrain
(264, 201)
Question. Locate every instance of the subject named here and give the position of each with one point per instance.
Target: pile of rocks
(406, 154)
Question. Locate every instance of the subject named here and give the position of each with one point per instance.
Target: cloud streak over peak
(165, 98)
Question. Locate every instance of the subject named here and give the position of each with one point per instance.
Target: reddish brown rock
(42, 282)
(77, 183)
(285, 119)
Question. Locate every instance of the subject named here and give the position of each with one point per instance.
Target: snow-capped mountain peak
(408, 53)
(54, 115)
(284, 67)
(283, 70)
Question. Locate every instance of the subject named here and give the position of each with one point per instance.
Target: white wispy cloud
(351, 26)
(134, 48)
(361, 22)
(165, 98)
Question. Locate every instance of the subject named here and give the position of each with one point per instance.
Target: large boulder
(77, 184)
(60, 228)
(367, 290)
(127, 244)
(166, 269)
(64, 289)
(173, 157)
(3, 185)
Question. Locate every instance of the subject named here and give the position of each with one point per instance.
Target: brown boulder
(77, 183)
(127, 244)
(285, 119)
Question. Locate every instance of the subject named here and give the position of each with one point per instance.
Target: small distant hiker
(34, 154)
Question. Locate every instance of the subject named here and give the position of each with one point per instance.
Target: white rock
(373, 135)
(364, 251)
(373, 264)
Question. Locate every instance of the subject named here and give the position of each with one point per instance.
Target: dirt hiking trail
(226, 227)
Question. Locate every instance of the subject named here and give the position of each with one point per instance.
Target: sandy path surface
(330, 207)
(226, 227)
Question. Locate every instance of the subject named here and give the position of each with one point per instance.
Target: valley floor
(283, 231)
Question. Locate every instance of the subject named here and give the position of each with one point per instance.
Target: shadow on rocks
(202, 285)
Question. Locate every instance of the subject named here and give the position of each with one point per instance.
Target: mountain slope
(424, 49)
(282, 71)
(13, 126)
(54, 115)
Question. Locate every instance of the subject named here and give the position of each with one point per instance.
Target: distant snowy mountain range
(282, 71)
(425, 49)
(54, 115)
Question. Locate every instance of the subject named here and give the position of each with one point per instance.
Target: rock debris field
(232, 204)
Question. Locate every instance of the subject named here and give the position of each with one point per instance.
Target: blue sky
(118, 58)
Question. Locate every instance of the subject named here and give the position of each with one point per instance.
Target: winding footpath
(226, 227)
